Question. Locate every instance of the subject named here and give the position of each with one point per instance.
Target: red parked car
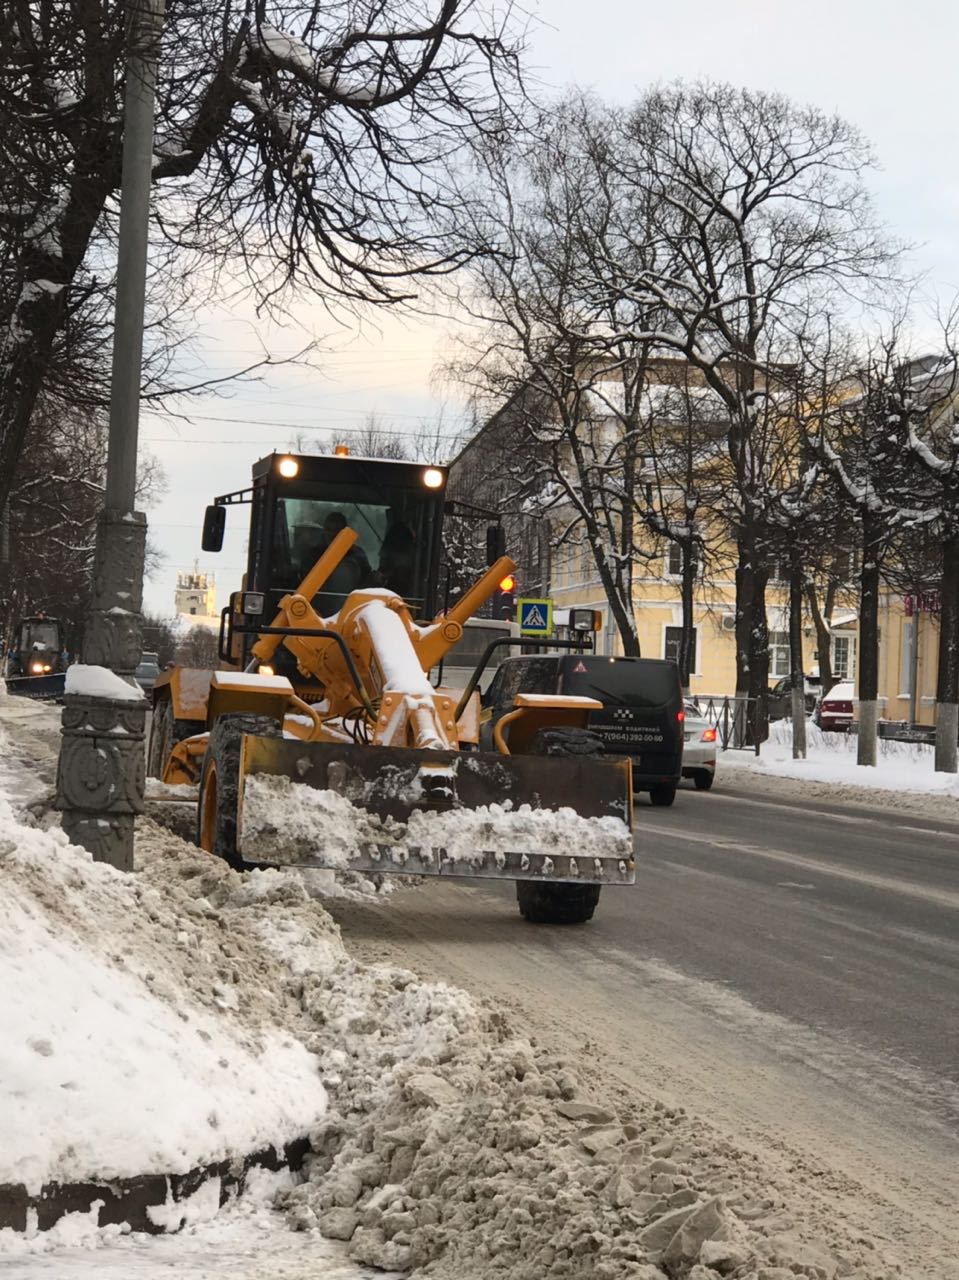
(835, 711)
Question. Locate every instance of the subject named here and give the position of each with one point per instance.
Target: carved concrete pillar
(100, 776)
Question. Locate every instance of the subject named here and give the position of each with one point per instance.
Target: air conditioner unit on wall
(728, 622)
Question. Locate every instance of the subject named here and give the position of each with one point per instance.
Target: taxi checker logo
(622, 713)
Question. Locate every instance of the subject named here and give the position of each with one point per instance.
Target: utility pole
(100, 777)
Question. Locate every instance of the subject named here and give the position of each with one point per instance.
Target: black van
(642, 715)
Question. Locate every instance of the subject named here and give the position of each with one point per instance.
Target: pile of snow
(292, 822)
(484, 1160)
(136, 1038)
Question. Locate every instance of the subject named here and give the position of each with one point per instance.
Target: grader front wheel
(541, 902)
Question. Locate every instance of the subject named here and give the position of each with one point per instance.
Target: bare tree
(865, 441)
(762, 205)
(301, 142)
(574, 391)
(50, 520)
(198, 648)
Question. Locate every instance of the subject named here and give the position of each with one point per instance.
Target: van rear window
(630, 682)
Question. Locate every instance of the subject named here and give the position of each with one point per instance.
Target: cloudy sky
(888, 68)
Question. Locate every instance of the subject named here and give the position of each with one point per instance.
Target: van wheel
(664, 794)
(703, 779)
(541, 902)
(218, 807)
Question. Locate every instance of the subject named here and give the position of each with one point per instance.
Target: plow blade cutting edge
(43, 687)
(445, 813)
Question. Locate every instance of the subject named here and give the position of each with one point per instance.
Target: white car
(699, 747)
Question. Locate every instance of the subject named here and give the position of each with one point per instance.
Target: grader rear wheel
(165, 732)
(542, 902)
(218, 808)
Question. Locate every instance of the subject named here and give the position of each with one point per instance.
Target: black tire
(663, 794)
(703, 779)
(216, 814)
(541, 902)
(161, 738)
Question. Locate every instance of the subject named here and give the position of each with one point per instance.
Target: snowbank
(112, 1067)
(100, 682)
(831, 758)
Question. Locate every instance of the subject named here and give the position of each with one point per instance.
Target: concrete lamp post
(100, 777)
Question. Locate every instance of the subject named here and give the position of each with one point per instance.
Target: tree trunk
(947, 684)
(752, 648)
(868, 648)
(796, 660)
(823, 639)
(687, 587)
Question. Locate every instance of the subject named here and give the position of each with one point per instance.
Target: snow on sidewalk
(904, 771)
(122, 1051)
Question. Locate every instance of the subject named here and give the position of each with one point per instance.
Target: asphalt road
(845, 921)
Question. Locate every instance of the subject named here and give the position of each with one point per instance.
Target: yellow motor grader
(321, 741)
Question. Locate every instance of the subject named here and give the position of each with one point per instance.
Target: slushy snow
(293, 822)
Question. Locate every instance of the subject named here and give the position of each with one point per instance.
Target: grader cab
(321, 741)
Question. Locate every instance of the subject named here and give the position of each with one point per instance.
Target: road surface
(790, 973)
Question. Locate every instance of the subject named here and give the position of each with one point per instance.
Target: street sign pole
(100, 777)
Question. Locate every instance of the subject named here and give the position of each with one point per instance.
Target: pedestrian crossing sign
(535, 617)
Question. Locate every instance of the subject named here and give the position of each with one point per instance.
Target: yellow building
(908, 657)
(658, 611)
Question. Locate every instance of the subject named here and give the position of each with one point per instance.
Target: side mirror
(495, 543)
(214, 523)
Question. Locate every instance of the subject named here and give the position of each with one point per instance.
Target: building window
(193, 608)
(674, 560)
(778, 570)
(779, 653)
(843, 655)
(671, 642)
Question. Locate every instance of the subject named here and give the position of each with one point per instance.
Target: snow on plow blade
(45, 687)
(443, 813)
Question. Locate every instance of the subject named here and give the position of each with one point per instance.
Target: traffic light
(495, 543)
(504, 599)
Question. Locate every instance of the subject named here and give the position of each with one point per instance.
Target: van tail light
(680, 716)
(709, 735)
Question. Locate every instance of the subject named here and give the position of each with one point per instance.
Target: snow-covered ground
(903, 770)
(444, 1142)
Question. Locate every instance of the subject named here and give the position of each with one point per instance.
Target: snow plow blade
(442, 813)
(44, 687)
